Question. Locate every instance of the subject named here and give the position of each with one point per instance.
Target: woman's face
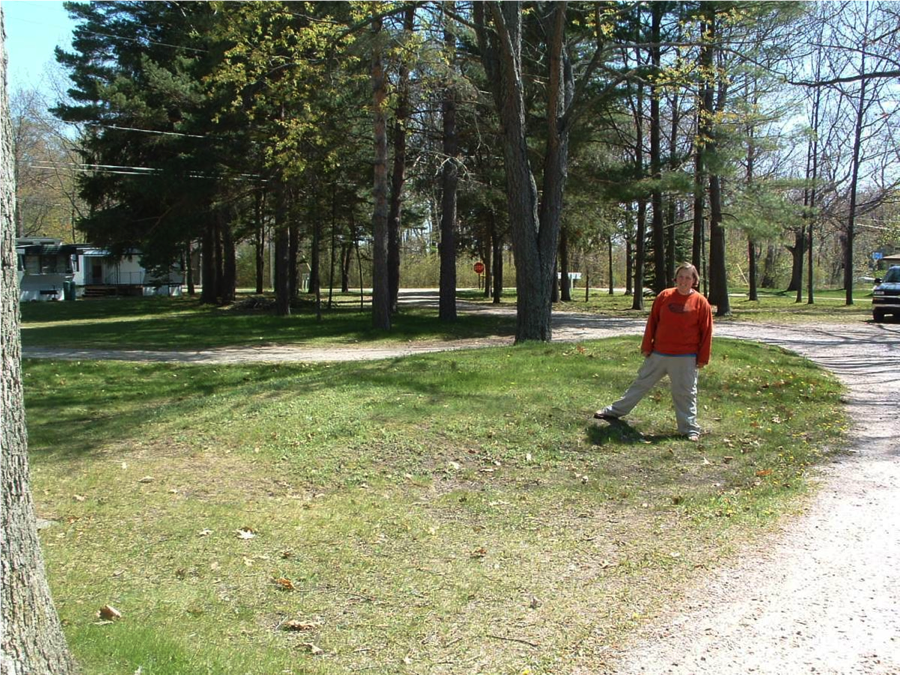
(684, 282)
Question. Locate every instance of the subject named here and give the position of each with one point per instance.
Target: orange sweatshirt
(679, 325)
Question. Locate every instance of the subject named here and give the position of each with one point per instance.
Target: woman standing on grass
(677, 343)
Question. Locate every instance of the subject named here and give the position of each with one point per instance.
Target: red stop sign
(479, 267)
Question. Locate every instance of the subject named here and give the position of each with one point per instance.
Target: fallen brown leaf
(300, 626)
(284, 584)
(109, 613)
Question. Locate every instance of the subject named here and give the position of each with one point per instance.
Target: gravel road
(824, 595)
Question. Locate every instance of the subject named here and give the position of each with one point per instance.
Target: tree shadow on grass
(618, 431)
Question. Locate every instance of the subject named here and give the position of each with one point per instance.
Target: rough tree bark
(32, 639)
(282, 254)
(381, 297)
(565, 284)
(260, 239)
(660, 276)
(534, 219)
(398, 173)
(449, 184)
(497, 274)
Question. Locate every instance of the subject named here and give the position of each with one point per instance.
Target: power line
(146, 131)
(112, 169)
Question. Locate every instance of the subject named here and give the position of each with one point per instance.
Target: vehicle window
(893, 275)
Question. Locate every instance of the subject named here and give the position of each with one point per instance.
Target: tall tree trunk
(718, 270)
(534, 222)
(229, 264)
(488, 259)
(332, 257)
(704, 137)
(629, 260)
(640, 239)
(754, 273)
(660, 277)
(854, 179)
(449, 183)
(565, 284)
(208, 262)
(798, 250)
(219, 256)
(812, 176)
(718, 273)
(282, 254)
(398, 174)
(497, 242)
(751, 162)
(315, 255)
(612, 285)
(381, 297)
(189, 268)
(258, 216)
(637, 302)
(346, 261)
(672, 211)
(768, 273)
(32, 638)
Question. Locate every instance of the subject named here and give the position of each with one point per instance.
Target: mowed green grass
(447, 513)
(183, 323)
(771, 307)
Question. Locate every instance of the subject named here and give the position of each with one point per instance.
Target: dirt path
(824, 596)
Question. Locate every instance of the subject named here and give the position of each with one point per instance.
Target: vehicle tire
(878, 315)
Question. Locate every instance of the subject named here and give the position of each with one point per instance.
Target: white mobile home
(44, 268)
(50, 270)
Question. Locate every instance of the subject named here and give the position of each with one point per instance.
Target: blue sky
(33, 30)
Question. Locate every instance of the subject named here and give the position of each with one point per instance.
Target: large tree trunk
(189, 267)
(487, 258)
(812, 173)
(672, 210)
(769, 264)
(208, 262)
(449, 183)
(640, 239)
(565, 284)
(32, 639)
(398, 175)
(346, 261)
(609, 251)
(704, 135)
(258, 202)
(718, 274)
(315, 256)
(718, 270)
(497, 242)
(798, 250)
(751, 166)
(854, 182)
(629, 260)
(754, 272)
(229, 264)
(381, 297)
(282, 255)
(534, 224)
(637, 302)
(660, 276)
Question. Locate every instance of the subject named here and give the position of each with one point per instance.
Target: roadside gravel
(823, 596)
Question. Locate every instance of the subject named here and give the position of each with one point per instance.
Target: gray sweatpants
(682, 372)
